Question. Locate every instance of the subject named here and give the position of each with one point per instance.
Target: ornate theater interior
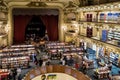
(59, 39)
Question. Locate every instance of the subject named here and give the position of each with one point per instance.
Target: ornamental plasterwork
(3, 17)
(3, 6)
(70, 11)
(59, 4)
(37, 4)
(70, 8)
(63, 1)
(41, 3)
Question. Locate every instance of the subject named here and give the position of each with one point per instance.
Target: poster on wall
(104, 35)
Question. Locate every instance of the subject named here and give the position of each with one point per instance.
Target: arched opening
(35, 29)
(23, 17)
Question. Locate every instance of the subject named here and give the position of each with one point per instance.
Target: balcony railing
(99, 20)
(55, 69)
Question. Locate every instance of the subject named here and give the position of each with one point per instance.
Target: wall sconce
(64, 28)
(76, 31)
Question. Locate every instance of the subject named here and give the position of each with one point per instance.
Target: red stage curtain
(51, 23)
(21, 21)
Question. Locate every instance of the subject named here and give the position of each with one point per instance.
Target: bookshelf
(16, 56)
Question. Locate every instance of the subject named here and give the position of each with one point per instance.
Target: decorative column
(3, 23)
(64, 28)
(70, 18)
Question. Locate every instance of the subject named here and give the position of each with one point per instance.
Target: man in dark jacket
(40, 62)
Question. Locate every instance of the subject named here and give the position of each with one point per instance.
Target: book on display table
(55, 56)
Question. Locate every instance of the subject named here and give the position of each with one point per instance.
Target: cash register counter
(55, 69)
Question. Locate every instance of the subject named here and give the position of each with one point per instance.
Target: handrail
(55, 69)
(100, 21)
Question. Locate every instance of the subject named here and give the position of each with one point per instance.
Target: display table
(102, 72)
(4, 74)
(42, 42)
(101, 64)
(116, 77)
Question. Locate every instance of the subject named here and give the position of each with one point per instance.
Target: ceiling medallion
(37, 4)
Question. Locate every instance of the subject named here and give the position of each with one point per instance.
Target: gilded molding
(3, 6)
(37, 4)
